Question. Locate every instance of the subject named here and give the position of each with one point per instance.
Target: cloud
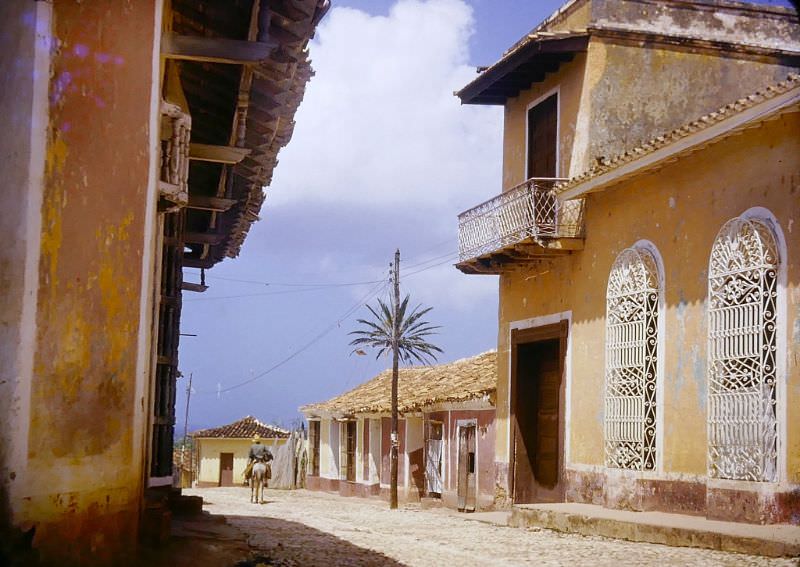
(380, 126)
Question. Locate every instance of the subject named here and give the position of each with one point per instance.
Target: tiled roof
(243, 429)
(420, 386)
(726, 112)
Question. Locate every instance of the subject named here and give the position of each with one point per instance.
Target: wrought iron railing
(529, 210)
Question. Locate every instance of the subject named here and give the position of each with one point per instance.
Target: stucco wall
(679, 209)
(569, 82)
(24, 63)
(208, 455)
(84, 474)
(615, 96)
(636, 94)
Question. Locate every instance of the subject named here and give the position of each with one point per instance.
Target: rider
(258, 452)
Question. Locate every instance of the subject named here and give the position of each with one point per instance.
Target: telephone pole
(186, 424)
(395, 370)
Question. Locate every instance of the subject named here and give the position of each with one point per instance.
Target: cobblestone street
(313, 528)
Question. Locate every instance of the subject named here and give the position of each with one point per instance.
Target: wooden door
(226, 469)
(467, 468)
(542, 138)
(537, 402)
(547, 425)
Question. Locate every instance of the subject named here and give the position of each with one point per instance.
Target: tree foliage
(412, 337)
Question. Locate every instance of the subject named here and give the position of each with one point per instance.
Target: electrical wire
(374, 291)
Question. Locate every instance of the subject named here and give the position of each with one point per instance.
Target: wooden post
(395, 371)
(186, 430)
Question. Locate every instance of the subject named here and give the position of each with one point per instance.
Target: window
(313, 440)
(742, 401)
(632, 305)
(543, 138)
(348, 450)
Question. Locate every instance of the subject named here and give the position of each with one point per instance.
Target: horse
(258, 481)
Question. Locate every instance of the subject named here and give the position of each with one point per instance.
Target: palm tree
(406, 336)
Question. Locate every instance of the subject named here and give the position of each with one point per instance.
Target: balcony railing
(528, 212)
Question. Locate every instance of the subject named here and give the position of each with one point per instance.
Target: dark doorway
(543, 138)
(466, 467)
(537, 399)
(226, 469)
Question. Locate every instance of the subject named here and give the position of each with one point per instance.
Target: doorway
(467, 469)
(226, 469)
(537, 403)
(433, 458)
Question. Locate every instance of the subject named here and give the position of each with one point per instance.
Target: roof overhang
(522, 66)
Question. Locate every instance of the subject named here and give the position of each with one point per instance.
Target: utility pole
(395, 371)
(186, 424)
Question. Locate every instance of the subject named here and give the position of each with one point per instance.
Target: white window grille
(742, 294)
(632, 303)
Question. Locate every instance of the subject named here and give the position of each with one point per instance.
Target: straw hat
(256, 438)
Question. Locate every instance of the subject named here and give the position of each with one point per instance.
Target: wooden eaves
(524, 65)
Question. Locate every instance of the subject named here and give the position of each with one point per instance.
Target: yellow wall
(680, 209)
(80, 404)
(615, 96)
(208, 456)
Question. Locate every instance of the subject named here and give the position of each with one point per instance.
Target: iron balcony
(525, 223)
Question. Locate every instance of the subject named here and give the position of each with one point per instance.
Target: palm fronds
(412, 344)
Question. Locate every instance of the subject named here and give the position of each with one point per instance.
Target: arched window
(632, 305)
(742, 401)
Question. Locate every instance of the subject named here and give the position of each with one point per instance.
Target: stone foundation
(750, 502)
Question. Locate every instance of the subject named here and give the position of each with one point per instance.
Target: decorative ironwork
(742, 294)
(631, 361)
(529, 210)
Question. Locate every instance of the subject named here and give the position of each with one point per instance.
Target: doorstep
(774, 540)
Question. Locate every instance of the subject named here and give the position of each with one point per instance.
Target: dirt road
(313, 528)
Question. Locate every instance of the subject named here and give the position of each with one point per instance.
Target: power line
(376, 290)
(283, 292)
(281, 284)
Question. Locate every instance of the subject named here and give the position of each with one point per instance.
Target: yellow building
(222, 452)
(646, 242)
(137, 138)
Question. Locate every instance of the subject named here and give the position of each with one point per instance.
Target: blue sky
(383, 157)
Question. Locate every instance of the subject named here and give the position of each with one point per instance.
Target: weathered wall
(83, 483)
(679, 209)
(636, 94)
(569, 82)
(614, 97)
(771, 27)
(486, 436)
(414, 458)
(208, 456)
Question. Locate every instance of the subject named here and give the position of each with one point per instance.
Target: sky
(383, 157)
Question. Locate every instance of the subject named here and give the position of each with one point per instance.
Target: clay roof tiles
(605, 165)
(245, 428)
(459, 381)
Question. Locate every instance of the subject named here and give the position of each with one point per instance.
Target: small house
(446, 436)
(222, 451)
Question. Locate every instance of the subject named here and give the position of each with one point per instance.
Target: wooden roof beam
(217, 154)
(203, 238)
(215, 204)
(215, 49)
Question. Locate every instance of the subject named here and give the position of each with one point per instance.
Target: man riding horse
(258, 454)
